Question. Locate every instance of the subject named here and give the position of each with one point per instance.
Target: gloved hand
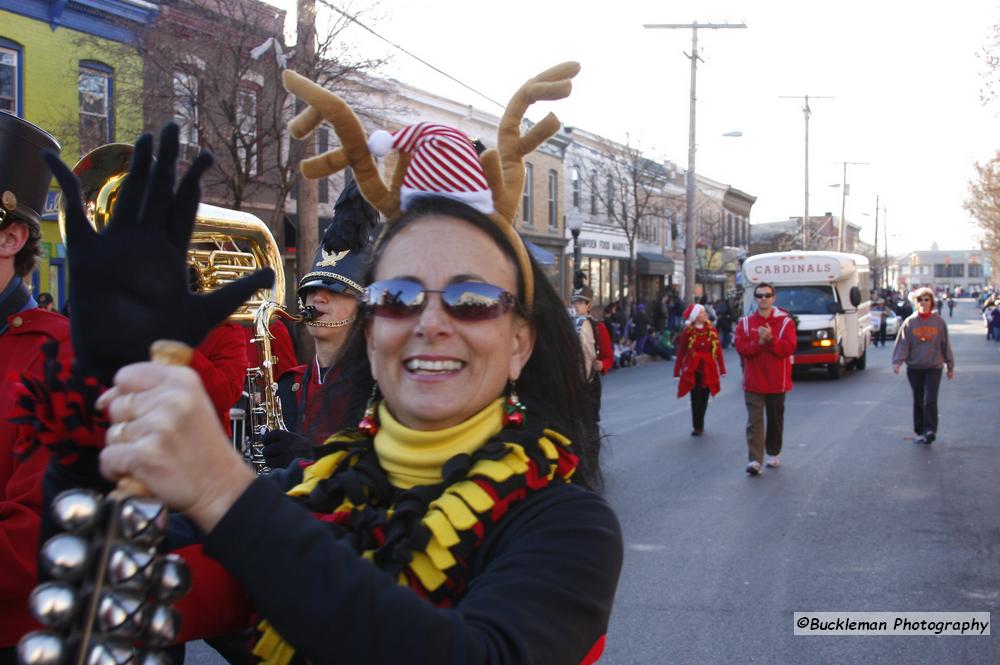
(130, 281)
(280, 448)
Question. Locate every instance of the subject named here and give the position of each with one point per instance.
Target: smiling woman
(458, 522)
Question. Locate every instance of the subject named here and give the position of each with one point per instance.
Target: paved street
(858, 518)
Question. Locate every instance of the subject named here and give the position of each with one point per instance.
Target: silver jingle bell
(77, 510)
(130, 567)
(153, 658)
(41, 648)
(53, 604)
(65, 556)
(106, 653)
(173, 579)
(142, 520)
(163, 627)
(121, 615)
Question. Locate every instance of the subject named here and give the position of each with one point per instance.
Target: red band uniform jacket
(21, 479)
(767, 368)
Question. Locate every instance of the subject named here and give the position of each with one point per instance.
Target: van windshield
(804, 299)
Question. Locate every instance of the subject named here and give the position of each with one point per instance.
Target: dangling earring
(369, 422)
(513, 410)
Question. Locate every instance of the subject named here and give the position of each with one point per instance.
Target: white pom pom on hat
(380, 143)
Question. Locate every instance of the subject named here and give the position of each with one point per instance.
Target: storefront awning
(545, 257)
(654, 264)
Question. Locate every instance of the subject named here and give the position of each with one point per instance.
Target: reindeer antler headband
(435, 159)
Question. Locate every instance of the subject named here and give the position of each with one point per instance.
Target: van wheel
(835, 370)
(861, 362)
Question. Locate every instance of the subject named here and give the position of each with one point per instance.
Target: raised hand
(129, 283)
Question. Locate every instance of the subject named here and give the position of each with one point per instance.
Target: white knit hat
(443, 162)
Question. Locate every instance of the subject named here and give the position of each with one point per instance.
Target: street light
(574, 222)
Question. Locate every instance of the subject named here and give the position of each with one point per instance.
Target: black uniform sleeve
(541, 591)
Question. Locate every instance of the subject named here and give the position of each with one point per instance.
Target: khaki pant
(760, 437)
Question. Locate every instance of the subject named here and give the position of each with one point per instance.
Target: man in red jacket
(765, 340)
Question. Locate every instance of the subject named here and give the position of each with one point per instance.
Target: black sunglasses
(464, 301)
(925, 299)
(763, 295)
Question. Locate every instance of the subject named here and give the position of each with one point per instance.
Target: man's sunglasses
(464, 301)
(925, 299)
(763, 295)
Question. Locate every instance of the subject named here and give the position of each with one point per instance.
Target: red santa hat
(692, 312)
(443, 162)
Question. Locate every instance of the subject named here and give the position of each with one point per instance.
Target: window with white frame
(553, 200)
(10, 77)
(186, 107)
(611, 196)
(94, 87)
(528, 199)
(246, 119)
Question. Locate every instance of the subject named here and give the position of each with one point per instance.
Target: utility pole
(885, 246)
(690, 239)
(843, 204)
(878, 273)
(307, 201)
(806, 111)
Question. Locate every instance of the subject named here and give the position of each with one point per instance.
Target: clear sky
(905, 79)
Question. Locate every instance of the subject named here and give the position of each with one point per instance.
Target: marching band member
(24, 329)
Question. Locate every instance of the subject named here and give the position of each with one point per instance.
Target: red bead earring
(369, 422)
(513, 410)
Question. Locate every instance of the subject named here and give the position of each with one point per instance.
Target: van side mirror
(855, 296)
(834, 308)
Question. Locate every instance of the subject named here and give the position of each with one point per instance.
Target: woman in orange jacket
(699, 364)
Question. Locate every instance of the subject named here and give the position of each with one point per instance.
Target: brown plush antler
(507, 178)
(353, 152)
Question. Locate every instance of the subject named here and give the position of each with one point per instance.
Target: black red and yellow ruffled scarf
(425, 535)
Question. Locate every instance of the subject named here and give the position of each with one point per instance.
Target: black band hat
(342, 258)
(24, 181)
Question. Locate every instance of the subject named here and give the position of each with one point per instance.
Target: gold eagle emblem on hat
(330, 259)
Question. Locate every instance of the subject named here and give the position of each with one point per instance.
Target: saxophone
(263, 406)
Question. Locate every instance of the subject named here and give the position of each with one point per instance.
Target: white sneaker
(753, 468)
(773, 461)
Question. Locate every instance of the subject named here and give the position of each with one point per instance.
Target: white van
(827, 294)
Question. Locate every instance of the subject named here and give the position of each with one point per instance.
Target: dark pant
(699, 403)
(925, 383)
(759, 437)
(880, 336)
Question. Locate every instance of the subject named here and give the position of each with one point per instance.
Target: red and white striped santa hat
(443, 162)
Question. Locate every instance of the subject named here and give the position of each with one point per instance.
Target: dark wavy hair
(551, 384)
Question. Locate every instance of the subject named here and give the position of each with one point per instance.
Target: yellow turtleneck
(413, 457)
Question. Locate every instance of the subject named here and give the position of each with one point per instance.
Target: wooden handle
(163, 352)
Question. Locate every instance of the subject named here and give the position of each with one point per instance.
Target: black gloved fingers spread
(210, 309)
(160, 192)
(78, 230)
(126, 210)
(186, 202)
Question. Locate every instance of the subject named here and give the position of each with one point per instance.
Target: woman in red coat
(699, 364)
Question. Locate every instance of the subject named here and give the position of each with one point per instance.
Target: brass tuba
(226, 244)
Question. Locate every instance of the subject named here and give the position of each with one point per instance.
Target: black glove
(353, 221)
(280, 448)
(130, 282)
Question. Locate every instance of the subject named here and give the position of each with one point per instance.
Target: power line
(393, 44)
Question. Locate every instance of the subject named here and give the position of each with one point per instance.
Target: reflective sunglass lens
(475, 301)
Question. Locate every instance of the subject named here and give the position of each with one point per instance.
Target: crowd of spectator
(642, 331)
